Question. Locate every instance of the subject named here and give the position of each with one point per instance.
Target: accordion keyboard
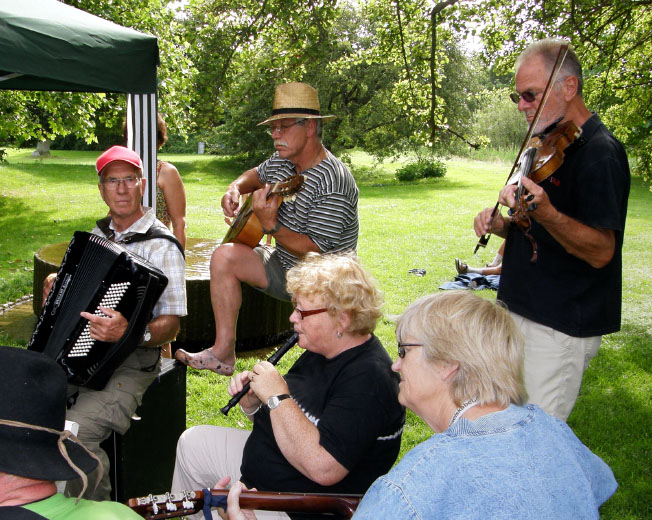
(111, 299)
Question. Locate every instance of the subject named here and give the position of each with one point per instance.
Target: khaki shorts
(275, 273)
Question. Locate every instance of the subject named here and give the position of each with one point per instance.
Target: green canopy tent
(48, 45)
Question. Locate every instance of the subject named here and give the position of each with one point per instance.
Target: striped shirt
(325, 208)
(163, 254)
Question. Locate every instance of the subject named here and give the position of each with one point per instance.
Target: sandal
(204, 360)
(461, 267)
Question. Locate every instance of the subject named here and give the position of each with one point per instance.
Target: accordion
(95, 272)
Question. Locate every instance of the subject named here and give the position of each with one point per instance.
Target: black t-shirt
(560, 290)
(353, 401)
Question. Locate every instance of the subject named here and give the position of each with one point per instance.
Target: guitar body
(245, 228)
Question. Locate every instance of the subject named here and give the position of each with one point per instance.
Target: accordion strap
(150, 234)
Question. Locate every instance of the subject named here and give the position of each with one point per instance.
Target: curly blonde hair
(344, 285)
(478, 335)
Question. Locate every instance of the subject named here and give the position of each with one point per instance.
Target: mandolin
(173, 505)
(245, 227)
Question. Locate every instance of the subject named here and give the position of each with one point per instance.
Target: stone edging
(4, 307)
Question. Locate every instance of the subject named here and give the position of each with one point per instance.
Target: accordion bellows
(96, 272)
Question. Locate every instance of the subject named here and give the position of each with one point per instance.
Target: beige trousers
(207, 453)
(554, 365)
(99, 412)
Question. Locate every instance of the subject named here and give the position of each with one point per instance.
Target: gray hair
(548, 49)
(458, 327)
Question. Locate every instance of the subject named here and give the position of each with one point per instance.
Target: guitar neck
(173, 505)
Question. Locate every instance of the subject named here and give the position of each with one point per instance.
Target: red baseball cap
(118, 153)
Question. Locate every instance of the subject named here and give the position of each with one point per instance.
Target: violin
(537, 158)
(544, 156)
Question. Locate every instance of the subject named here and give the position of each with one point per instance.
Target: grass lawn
(424, 225)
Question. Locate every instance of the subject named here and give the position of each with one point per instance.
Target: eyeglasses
(402, 350)
(305, 314)
(283, 128)
(528, 96)
(129, 182)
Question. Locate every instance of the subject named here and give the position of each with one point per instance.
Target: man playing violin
(322, 218)
(571, 295)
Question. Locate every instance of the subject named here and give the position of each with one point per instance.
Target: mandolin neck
(343, 506)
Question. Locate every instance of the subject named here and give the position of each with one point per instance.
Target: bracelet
(273, 230)
(252, 413)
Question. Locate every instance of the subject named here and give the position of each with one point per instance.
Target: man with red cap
(323, 218)
(98, 412)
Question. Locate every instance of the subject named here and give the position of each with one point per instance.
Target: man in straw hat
(322, 218)
(35, 451)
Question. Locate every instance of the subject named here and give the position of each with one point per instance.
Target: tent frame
(46, 45)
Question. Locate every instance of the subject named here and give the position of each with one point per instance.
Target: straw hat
(32, 417)
(295, 100)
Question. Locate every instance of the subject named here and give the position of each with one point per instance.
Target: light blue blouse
(516, 463)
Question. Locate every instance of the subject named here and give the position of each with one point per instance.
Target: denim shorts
(275, 273)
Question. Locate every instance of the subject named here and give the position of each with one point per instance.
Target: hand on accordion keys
(109, 328)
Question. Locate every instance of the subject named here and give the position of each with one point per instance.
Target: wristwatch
(147, 335)
(275, 400)
(276, 227)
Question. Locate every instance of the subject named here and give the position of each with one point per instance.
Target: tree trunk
(43, 148)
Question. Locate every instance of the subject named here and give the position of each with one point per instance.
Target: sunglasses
(528, 96)
(402, 350)
(305, 314)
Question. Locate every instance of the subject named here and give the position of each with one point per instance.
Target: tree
(498, 120)
(612, 40)
(46, 115)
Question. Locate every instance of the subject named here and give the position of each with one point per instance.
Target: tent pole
(141, 137)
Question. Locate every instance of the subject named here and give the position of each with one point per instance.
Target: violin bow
(561, 56)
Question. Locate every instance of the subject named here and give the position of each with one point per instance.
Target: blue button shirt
(516, 463)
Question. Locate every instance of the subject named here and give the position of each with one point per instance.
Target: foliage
(497, 120)
(370, 62)
(422, 169)
(403, 226)
(396, 74)
(241, 49)
(612, 40)
(29, 116)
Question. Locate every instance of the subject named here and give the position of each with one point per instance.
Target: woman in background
(170, 192)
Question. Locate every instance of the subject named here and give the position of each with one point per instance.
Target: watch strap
(276, 227)
(276, 400)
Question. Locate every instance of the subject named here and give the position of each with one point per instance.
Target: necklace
(466, 405)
